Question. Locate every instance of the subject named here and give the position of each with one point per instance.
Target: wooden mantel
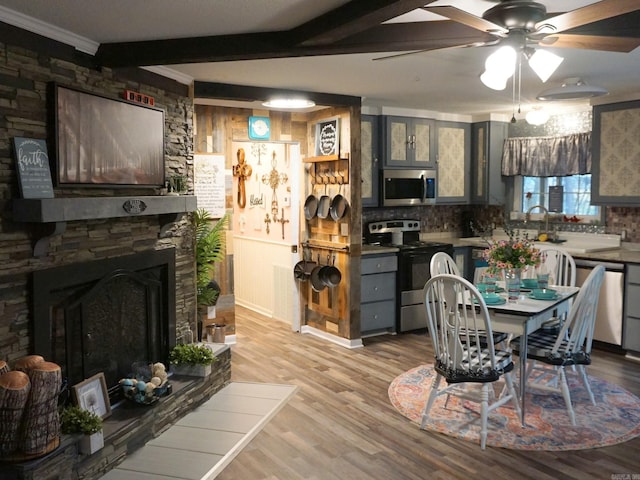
(57, 211)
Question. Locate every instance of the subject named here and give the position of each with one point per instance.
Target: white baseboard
(343, 342)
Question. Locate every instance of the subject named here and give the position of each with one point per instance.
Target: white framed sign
(209, 183)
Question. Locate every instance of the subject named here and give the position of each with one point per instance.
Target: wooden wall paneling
(355, 222)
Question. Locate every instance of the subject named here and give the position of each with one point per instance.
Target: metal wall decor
(274, 179)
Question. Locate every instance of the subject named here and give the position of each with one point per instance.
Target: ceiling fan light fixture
(502, 61)
(572, 89)
(544, 63)
(494, 80)
(289, 103)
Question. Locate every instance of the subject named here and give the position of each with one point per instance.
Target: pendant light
(536, 116)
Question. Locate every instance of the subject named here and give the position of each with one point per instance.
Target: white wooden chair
(456, 328)
(441, 262)
(562, 268)
(549, 353)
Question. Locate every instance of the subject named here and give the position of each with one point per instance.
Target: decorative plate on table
(535, 297)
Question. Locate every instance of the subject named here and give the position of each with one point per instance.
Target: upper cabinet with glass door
(615, 154)
(487, 183)
(408, 142)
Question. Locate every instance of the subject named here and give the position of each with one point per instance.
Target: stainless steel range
(413, 267)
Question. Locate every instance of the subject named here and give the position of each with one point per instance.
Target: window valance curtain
(547, 156)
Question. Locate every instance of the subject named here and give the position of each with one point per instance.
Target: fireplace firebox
(105, 315)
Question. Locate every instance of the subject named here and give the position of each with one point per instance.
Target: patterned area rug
(614, 419)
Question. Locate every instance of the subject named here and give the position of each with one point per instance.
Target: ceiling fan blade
(592, 42)
(403, 54)
(468, 19)
(413, 52)
(591, 13)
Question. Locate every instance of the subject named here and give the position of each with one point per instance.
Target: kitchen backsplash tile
(451, 218)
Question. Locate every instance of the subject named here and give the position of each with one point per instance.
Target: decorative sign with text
(328, 137)
(209, 183)
(556, 198)
(32, 162)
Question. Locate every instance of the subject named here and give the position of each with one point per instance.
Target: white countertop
(574, 242)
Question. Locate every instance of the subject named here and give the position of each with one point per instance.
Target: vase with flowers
(515, 253)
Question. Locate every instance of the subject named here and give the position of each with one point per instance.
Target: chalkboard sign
(556, 198)
(328, 137)
(32, 162)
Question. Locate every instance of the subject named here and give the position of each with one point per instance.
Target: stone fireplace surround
(129, 426)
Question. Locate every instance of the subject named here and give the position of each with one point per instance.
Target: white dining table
(524, 317)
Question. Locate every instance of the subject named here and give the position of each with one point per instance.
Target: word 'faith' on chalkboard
(32, 161)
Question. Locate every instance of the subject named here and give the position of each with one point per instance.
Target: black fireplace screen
(105, 315)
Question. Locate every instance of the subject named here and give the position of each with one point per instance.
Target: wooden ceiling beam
(349, 19)
(383, 38)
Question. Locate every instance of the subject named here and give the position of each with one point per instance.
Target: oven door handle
(424, 187)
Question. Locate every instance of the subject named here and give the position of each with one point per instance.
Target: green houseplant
(191, 359)
(210, 248)
(74, 419)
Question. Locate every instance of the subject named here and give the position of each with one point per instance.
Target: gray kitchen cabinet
(631, 326)
(615, 146)
(370, 165)
(408, 142)
(453, 158)
(378, 294)
(487, 183)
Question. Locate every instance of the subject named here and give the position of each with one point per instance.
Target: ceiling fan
(527, 22)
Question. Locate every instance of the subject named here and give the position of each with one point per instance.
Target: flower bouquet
(515, 252)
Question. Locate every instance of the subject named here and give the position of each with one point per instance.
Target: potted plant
(74, 419)
(210, 249)
(191, 359)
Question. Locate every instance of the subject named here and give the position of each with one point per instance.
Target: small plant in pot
(191, 359)
(74, 419)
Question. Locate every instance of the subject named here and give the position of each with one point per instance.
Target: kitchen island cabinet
(378, 294)
(408, 142)
(615, 151)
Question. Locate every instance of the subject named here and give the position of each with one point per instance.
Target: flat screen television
(105, 142)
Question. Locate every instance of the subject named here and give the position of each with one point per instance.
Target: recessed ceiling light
(289, 103)
(572, 89)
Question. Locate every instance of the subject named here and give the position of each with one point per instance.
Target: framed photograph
(105, 142)
(91, 394)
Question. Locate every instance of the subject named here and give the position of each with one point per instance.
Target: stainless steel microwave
(408, 187)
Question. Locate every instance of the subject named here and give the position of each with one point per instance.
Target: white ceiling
(438, 81)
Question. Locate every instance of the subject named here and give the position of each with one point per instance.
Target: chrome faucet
(546, 218)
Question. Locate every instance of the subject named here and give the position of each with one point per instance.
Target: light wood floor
(341, 425)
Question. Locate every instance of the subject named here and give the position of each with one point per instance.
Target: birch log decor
(14, 393)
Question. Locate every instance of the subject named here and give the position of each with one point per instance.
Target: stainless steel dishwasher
(609, 318)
